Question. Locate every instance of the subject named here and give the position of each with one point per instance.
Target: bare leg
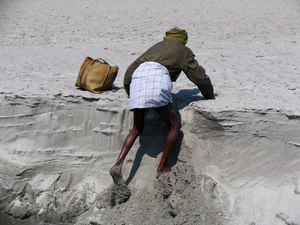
(138, 126)
(168, 114)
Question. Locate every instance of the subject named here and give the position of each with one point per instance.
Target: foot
(163, 170)
(116, 174)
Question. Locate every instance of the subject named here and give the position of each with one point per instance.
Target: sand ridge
(237, 157)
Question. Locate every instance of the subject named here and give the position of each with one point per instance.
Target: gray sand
(237, 158)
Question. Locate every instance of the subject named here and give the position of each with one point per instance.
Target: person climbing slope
(148, 82)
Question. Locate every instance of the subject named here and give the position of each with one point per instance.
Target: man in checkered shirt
(148, 82)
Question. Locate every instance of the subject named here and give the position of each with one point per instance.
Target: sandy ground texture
(237, 159)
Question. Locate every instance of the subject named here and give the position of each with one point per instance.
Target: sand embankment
(237, 159)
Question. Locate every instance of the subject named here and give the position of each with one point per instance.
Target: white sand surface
(237, 160)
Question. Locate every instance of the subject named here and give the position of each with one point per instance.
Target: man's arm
(196, 74)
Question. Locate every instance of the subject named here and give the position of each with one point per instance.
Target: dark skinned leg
(138, 126)
(168, 114)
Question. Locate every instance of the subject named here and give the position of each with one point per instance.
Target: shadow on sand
(156, 130)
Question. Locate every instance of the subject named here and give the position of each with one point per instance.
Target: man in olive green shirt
(176, 57)
(172, 54)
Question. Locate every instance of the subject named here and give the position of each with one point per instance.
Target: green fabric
(176, 57)
(180, 35)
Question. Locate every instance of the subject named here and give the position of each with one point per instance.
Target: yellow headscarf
(180, 35)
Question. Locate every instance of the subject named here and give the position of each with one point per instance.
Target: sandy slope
(238, 155)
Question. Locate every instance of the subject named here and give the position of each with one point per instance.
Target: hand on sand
(216, 95)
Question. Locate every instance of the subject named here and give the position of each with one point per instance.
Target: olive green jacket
(176, 57)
